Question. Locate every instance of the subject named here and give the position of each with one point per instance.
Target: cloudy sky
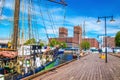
(47, 17)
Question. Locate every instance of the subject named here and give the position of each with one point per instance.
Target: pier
(59, 40)
(90, 67)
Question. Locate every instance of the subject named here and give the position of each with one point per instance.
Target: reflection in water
(62, 58)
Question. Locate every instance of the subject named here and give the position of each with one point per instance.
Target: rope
(5, 12)
(29, 18)
(34, 25)
(54, 26)
(12, 22)
(22, 22)
(32, 16)
(1, 7)
(51, 20)
(39, 1)
(26, 31)
(64, 16)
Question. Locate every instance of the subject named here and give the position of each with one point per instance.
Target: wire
(1, 7)
(23, 22)
(63, 22)
(51, 20)
(35, 22)
(29, 18)
(39, 1)
(64, 16)
(32, 16)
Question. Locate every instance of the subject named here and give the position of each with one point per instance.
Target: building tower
(77, 34)
(63, 32)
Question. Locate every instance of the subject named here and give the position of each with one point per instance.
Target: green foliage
(63, 45)
(54, 42)
(30, 41)
(85, 45)
(41, 44)
(117, 39)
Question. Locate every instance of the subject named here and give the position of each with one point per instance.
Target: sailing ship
(17, 63)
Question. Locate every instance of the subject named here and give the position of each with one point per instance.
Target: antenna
(84, 33)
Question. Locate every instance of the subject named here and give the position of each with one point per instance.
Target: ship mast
(29, 19)
(16, 22)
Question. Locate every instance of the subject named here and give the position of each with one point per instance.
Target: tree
(53, 42)
(63, 45)
(85, 45)
(30, 41)
(117, 39)
(41, 44)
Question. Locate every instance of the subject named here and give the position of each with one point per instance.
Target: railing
(7, 49)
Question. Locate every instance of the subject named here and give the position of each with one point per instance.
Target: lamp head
(112, 20)
(98, 21)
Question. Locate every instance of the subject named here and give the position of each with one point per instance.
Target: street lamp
(98, 21)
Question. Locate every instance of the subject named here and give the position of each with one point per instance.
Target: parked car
(71, 50)
(94, 50)
(116, 50)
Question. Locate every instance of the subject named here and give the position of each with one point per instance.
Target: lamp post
(112, 20)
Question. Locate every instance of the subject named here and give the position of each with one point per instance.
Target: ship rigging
(19, 60)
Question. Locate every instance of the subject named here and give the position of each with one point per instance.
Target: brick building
(110, 42)
(76, 39)
(93, 42)
(71, 41)
(63, 32)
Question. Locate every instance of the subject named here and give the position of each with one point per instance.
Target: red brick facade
(77, 34)
(93, 42)
(71, 41)
(77, 39)
(110, 42)
(63, 32)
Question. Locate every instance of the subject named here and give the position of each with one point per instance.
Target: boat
(17, 63)
(29, 66)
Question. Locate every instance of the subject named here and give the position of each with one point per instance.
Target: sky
(47, 17)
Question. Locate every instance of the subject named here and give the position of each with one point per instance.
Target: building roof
(4, 41)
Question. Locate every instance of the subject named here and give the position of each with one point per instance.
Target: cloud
(8, 4)
(92, 27)
(4, 17)
(54, 18)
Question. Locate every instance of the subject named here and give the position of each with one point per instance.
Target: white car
(94, 50)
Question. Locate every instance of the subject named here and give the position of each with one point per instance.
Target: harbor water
(62, 58)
